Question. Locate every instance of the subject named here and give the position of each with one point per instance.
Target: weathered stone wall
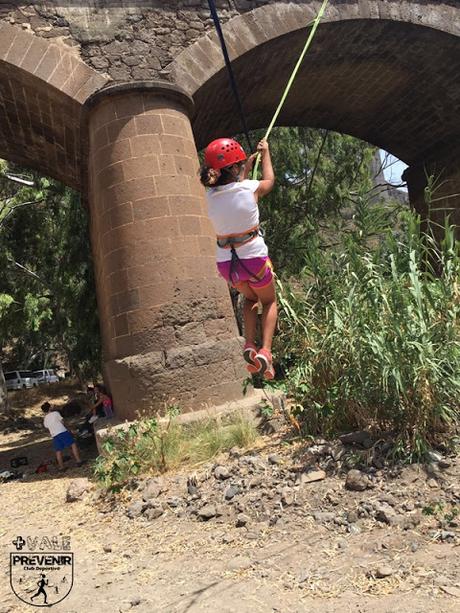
(138, 39)
(125, 40)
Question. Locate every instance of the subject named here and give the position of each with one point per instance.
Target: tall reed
(371, 338)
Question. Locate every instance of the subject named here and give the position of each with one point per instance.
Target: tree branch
(17, 206)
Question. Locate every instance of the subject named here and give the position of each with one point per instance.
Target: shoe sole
(253, 365)
(266, 368)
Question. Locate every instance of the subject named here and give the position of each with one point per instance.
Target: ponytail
(209, 176)
(213, 177)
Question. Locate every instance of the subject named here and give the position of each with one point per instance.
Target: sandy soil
(178, 565)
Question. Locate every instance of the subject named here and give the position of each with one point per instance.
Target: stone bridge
(115, 97)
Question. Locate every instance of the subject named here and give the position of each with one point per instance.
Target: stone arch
(382, 71)
(43, 86)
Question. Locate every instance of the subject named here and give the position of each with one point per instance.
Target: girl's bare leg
(249, 311)
(267, 297)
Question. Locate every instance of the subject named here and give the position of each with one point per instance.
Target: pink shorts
(257, 272)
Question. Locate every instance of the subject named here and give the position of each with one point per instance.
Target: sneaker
(249, 354)
(264, 358)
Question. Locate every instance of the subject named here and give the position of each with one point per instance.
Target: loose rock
(361, 438)
(135, 509)
(357, 481)
(152, 489)
(312, 476)
(77, 488)
(383, 571)
(287, 497)
(221, 473)
(153, 513)
(231, 492)
(207, 512)
(323, 516)
(274, 458)
(241, 563)
(242, 520)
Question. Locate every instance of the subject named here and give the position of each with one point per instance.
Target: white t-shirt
(53, 421)
(233, 209)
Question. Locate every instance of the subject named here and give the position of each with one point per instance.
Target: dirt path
(179, 565)
(176, 564)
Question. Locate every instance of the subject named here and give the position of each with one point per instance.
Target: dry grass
(148, 448)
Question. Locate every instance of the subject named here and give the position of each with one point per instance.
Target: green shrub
(372, 338)
(147, 447)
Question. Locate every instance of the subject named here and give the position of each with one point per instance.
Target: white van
(46, 376)
(20, 379)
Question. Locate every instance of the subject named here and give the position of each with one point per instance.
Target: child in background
(242, 255)
(62, 438)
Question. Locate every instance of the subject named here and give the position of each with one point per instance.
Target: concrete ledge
(249, 406)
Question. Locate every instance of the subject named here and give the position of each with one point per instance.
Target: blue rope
(231, 76)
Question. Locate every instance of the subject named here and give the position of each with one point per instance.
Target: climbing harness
(229, 240)
(215, 17)
(291, 78)
(232, 242)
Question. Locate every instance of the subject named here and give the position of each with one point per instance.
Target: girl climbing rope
(242, 255)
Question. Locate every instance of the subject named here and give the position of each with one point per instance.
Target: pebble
(221, 473)
(135, 509)
(446, 536)
(303, 576)
(383, 571)
(153, 513)
(231, 492)
(385, 513)
(357, 481)
(240, 563)
(207, 512)
(77, 488)
(352, 517)
(312, 476)
(227, 539)
(242, 520)
(323, 516)
(192, 489)
(152, 489)
(274, 458)
(287, 497)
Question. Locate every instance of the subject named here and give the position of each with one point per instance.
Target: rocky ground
(287, 526)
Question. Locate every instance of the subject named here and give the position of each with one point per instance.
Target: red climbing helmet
(223, 152)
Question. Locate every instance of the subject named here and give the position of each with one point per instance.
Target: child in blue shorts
(62, 438)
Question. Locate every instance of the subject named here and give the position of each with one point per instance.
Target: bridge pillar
(168, 330)
(444, 198)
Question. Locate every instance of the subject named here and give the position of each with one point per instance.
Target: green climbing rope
(291, 78)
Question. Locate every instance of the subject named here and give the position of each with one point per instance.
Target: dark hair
(46, 407)
(211, 177)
